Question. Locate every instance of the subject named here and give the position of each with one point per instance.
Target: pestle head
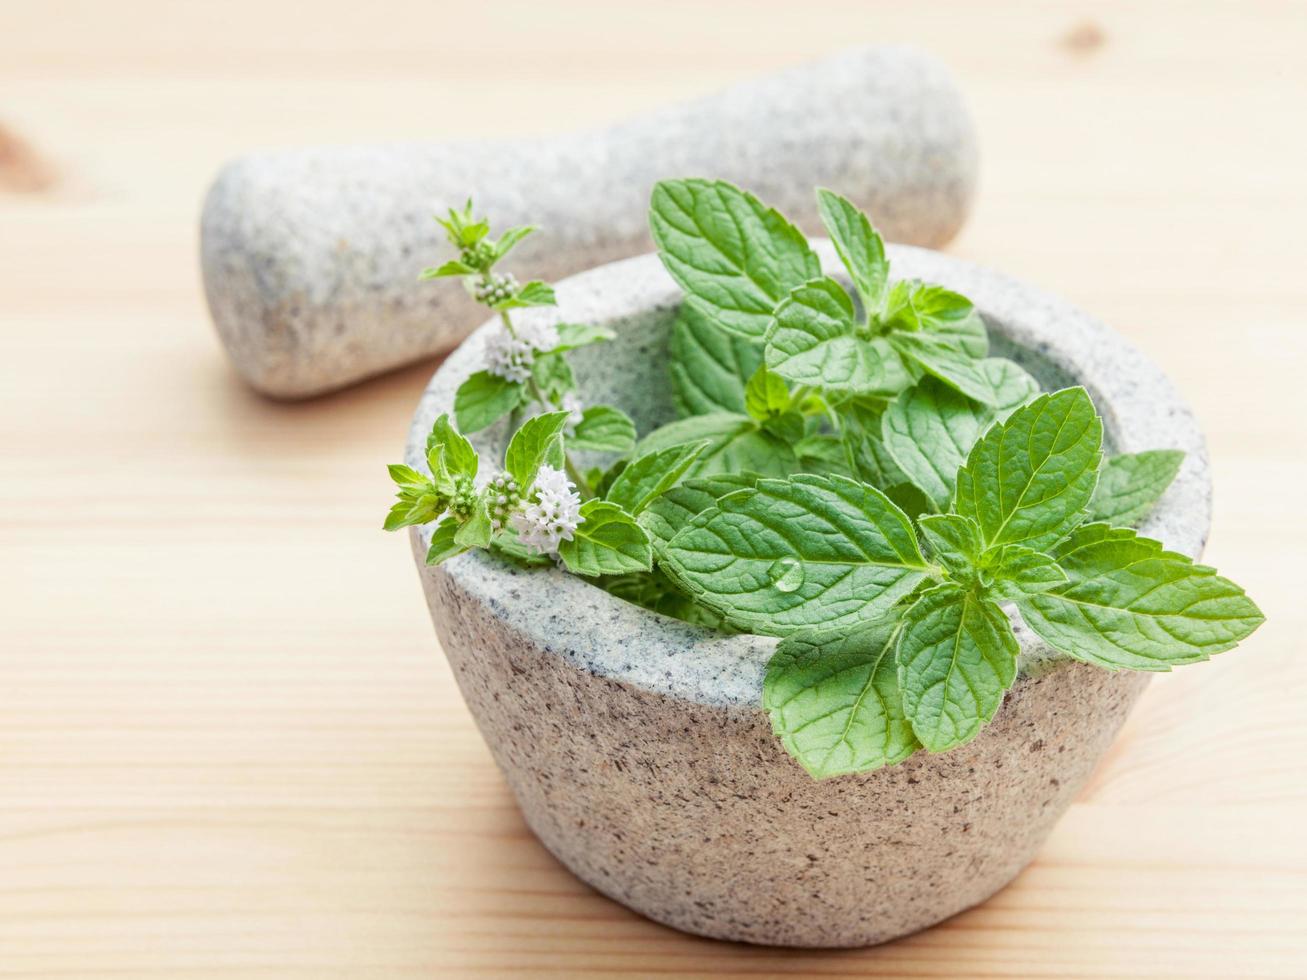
(311, 256)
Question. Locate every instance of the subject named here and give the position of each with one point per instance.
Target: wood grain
(228, 743)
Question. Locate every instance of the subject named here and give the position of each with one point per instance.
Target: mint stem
(573, 471)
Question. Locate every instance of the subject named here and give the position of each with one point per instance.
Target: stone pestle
(311, 256)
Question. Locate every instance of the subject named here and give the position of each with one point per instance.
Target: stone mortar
(311, 256)
(636, 745)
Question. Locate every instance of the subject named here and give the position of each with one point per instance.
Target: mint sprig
(851, 472)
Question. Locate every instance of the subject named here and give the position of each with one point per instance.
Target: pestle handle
(311, 256)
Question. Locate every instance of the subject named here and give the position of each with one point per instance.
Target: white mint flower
(552, 514)
(574, 405)
(539, 336)
(511, 357)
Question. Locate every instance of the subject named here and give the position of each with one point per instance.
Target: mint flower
(510, 356)
(551, 516)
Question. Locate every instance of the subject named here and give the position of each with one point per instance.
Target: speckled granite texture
(311, 257)
(636, 744)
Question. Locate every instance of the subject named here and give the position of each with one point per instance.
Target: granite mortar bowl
(636, 745)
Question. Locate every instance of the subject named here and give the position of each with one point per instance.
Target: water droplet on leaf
(786, 574)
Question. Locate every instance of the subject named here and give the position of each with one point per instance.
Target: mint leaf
(651, 474)
(735, 257)
(420, 502)
(930, 428)
(676, 507)
(451, 268)
(709, 365)
(531, 447)
(534, 293)
(824, 453)
(462, 228)
(834, 700)
(406, 476)
(1018, 571)
(484, 399)
(477, 530)
(608, 541)
(953, 541)
(510, 238)
(823, 552)
(957, 656)
(443, 545)
(859, 247)
(422, 508)
(860, 421)
(603, 429)
(1130, 485)
(942, 359)
(766, 395)
(942, 314)
(460, 458)
(553, 376)
(1130, 604)
(574, 335)
(735, 444)
(812, 341)
(1029, 478)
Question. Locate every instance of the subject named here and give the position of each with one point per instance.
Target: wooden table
(228, 743)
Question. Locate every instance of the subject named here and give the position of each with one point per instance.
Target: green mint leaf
(1018, 571)
(420, 500)
(509, 239)
(460, 459)
(483, 399)
(451, 268)
(608, 541)
(824, 454)
(943, 360)
(656, 591)
(651, 474)
(553, 375)
(735, 257)
(812, 341)
(859, 246)
(736, 444)
(676, 507)
(942, 314)
(534, 293)
(477, 530)
(443, 545)
(463, 230)
(603, 429)
(766, 395)
(531, 447)
(413, 508)
(709, 365)
(910, 499)
(953, 541)
(834, 700)
(930, 428)
(406, 476)
(957, 656)
(809, 552)
(1130, 605)
(574, 335)
(788, 427)
(1130, 485)
(871, 461)
(1029, 478)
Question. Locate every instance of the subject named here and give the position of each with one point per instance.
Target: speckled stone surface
(310, 257)
(636, 744)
